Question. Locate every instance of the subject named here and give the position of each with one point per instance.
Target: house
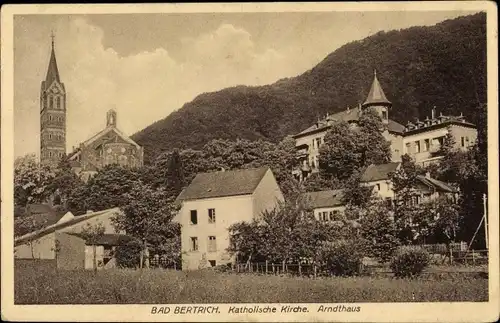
(62, 241)
(326, 205)
(421, 139)
(212, 203)
(427, 188)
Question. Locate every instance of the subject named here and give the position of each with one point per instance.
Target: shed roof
(223, 183)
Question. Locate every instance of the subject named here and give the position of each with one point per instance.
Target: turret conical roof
(376, 94)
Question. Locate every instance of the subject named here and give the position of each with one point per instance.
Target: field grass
(45, 285)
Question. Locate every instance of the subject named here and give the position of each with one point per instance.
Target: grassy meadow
(45, 285)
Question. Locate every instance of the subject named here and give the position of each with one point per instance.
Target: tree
(92, 234)
(65, 181)
(404, 182)
(147, 217)
(378, 230)
(174, 175)
(349, 148)
(355, 193)
(32, 181)
(107, 189)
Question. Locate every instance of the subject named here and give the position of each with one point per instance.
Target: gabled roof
(60, 226)
(436, 184)
(223, 183)
(321, 199)
(106, 131)
(376, 94)
(379, 172)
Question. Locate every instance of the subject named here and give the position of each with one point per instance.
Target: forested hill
(420, 67)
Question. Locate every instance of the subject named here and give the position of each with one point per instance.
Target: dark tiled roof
(379, 172)
(376, 94)
(325, 198)
(223, 183)
(347, 116)
(437, 184)
(48, 230)
(396, 127)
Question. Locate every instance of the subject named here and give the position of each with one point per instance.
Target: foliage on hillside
(420, 67)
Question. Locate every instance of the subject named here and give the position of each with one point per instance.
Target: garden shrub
(409, 262)
(128, 255)
(342, 258)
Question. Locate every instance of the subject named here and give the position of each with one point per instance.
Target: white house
(213, 202)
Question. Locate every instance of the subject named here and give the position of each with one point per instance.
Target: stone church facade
(109, 146)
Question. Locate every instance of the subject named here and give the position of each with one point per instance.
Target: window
(211, 215)
(194, 244)
(417, 147)
(334, 215)
(324, 216)
(51, 102)
(318, 142)
(378, 187)
(427, 144)
(58, 102)
(122, 160)
(463, 141)
(313, 146)
(50, 118)
(212, 263)
(407, 148)
(384, 114)
(212, 244)
(50, 136)
(388, 201)
(194, 217)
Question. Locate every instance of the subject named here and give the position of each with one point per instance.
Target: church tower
(52, 114)
(377, 100)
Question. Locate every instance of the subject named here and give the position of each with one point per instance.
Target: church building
(109, 146)
(420, 140)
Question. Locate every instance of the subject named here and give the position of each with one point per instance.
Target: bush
(128, 255)
(342, 258)
(409, 262)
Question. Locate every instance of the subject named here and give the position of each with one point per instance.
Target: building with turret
(52, 114)
(420, 140)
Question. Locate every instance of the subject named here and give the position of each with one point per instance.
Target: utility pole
(485, 212)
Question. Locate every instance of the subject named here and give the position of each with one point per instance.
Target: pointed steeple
(52, 71)
(376, 94)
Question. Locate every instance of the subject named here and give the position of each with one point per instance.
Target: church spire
(52, 71)
(376, 94)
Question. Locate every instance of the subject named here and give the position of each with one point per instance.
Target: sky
(146, 66)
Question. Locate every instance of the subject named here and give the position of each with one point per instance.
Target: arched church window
(51, 102)
(109, 159)
(58, 102)
(122, 160)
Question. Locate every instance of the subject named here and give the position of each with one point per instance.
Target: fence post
(300, 269)
(451, 256)
(273, 268)
(283, 267)
(266, 266)
(473, 258)
(315, 269)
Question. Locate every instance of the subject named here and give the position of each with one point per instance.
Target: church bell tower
(52, 114)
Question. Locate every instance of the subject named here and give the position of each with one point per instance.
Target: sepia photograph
(250, 162)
